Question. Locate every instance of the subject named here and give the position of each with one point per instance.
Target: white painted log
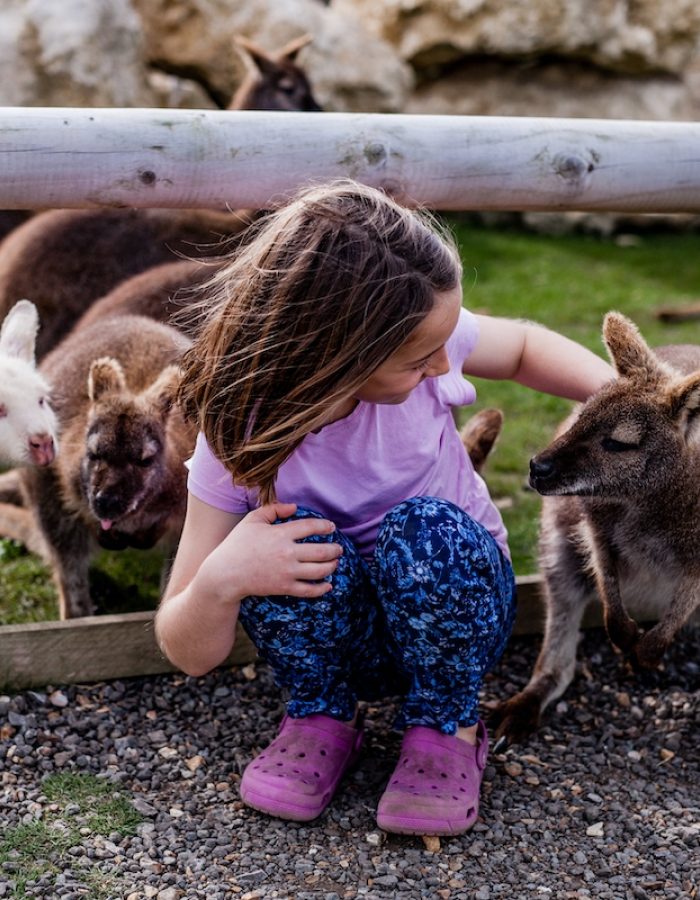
(196, 158)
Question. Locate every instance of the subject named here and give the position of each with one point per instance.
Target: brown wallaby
(274, 81)
(620, 516)
(479, 435)
(65, 259)
(119, 480)
(160, 293)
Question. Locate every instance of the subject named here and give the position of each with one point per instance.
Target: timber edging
(99, 648)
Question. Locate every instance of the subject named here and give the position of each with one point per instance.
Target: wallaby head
(274, 81)
(28, 428)
(635, 432)
(125, 444)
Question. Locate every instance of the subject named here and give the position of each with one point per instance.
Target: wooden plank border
(99, 648)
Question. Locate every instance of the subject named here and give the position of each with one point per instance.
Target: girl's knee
(418, 520)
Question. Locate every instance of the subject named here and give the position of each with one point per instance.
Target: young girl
(332, 507)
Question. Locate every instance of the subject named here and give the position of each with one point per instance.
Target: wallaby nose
(540, 470)
(41, 449)
(108, 505)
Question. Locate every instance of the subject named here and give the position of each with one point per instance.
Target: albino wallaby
(27, 421)
(64, 259)
(120, 479)
(620, 516)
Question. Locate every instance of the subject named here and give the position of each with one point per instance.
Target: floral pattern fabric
(426, 618)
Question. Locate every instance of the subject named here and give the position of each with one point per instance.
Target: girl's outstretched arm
(536, 357)
(223, 558)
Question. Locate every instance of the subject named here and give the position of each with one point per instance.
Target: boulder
(644, 36)
(72, 53)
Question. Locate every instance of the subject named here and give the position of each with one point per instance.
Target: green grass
(40, 848)
(122, 582)
(567, 283)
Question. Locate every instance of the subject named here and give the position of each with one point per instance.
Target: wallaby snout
(542, 472)
(42, 449)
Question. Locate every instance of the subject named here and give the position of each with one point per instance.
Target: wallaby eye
(42, 401)
(146, 461)
(3, 411)
(612, 446)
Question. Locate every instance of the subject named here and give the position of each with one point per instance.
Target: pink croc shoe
(435, 786)
(298, 774)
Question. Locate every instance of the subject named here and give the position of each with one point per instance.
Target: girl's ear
(629, 352)
(106, 377)
(18, 333)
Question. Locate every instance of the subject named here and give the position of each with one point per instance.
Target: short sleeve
(209, 480)
(453, 389)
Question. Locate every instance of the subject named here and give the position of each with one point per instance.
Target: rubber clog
(298, 774)
(435, 786)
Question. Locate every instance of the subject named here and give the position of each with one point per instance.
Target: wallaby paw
(516, 719)
(649, 651)
(623, 633)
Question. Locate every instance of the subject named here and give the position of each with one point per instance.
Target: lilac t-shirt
(354, 470)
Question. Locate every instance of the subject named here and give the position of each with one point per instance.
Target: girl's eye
(423, 365)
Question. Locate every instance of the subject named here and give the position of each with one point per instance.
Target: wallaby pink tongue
(105, 524)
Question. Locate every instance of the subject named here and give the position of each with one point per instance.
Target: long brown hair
(322, 293)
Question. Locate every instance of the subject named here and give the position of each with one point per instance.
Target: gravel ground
(603, 802)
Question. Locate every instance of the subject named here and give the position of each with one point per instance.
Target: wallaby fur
(120, 479)
(28, 427)
(620, 516)
(274, 81)
(479, 434)
(161, 293)
(65, 259)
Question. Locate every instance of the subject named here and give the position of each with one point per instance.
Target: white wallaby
(27, 421)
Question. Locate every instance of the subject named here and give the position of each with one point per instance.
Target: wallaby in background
(28, 428)
(161, 293)
(620, 516)
(64, 259)
(120, 479)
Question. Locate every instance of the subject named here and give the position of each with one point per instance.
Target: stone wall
(591, 58)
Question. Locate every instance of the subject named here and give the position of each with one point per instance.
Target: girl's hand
(259, 558)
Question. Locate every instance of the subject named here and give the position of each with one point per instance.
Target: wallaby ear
(106, 377)
(629, 352)
(18, 333)
(291, 49)
(254, 57)
(479, 435)
(161, 394)
(684, 397)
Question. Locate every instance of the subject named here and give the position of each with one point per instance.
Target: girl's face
(422, 356)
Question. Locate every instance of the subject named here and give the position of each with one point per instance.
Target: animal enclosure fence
(209, 159)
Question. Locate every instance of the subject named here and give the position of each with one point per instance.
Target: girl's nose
(439, 365)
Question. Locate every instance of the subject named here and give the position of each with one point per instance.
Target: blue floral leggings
(426, 618)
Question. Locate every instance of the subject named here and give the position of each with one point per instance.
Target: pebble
(602, 799)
